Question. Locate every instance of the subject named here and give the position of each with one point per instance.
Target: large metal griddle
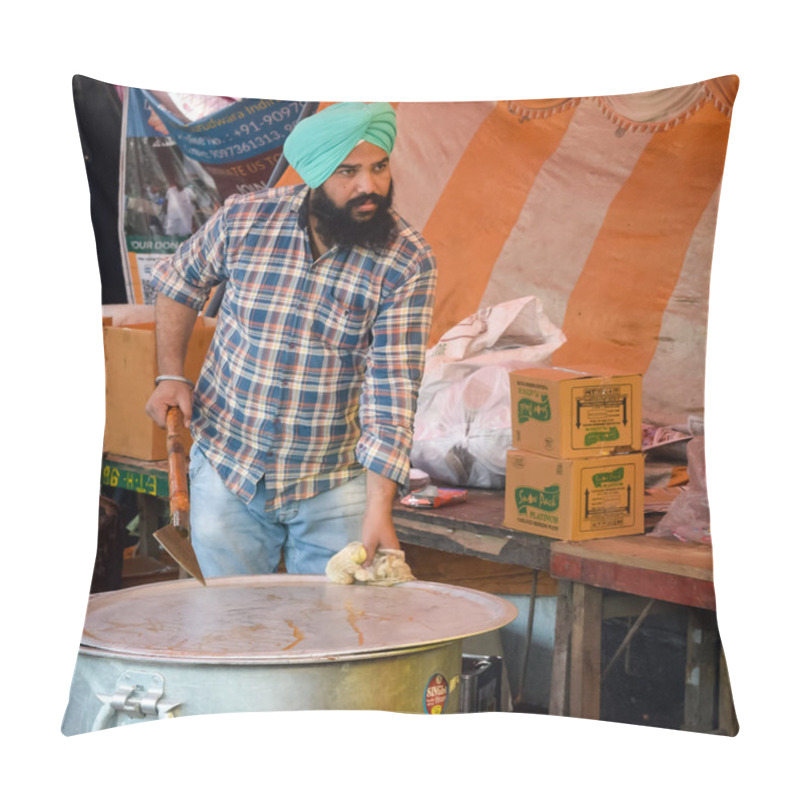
(283, 619)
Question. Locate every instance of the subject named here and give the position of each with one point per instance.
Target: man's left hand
(378, 529)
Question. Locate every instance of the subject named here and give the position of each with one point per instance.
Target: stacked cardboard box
(130, 363)
(577, 471)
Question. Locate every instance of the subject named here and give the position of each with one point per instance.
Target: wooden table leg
(702, 664)
(586, 638)
(728, 723)
(559, 675)
(528, 638)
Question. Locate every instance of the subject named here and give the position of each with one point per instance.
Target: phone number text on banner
(243, 129)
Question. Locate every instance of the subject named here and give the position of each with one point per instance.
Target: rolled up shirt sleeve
(189, 275)
(394, 371)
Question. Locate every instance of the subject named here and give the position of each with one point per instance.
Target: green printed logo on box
(539, 410)
(608, 435)
(601, 479)
(545, 499)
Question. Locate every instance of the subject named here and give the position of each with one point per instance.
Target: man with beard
(302, 415)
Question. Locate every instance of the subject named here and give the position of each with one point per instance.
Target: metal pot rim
(282, 619)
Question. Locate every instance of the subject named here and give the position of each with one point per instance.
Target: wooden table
(621, 576)
(648, 571)
(474, 528)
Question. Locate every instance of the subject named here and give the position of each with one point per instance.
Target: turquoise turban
(319, 143)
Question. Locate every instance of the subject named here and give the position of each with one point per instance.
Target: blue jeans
(231, 537)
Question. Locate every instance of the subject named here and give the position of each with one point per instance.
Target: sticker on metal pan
(437, 693)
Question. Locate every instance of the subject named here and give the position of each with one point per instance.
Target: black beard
(336, 225)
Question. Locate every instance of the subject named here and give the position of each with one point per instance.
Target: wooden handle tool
(176, 464)
(175, 538)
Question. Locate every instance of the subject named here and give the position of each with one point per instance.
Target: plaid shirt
(314, 367)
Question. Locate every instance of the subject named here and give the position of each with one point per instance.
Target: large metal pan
(274, 643)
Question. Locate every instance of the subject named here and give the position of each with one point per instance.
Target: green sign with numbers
(152, 482)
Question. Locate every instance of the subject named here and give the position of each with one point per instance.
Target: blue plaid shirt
(313, 371)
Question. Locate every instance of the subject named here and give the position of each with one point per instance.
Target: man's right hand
(167, 394)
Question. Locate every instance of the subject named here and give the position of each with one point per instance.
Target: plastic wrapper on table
(433, 497)
(688, 516)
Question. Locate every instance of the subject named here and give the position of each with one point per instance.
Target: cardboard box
(119, 314)
(131, 370)
(575, 499)
(576, 412)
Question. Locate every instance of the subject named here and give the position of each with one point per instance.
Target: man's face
(358, 179)
(351, 207)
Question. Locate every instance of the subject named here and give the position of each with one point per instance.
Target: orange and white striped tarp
(603, 207)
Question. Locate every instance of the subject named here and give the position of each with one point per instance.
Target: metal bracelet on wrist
(174, 378)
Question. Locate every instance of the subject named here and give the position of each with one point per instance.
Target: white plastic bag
(463, 425)
(517, 330)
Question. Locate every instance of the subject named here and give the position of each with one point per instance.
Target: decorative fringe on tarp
(526, 112)
(723, 91)
(635, 126)
(658, 106)
(720, 92)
